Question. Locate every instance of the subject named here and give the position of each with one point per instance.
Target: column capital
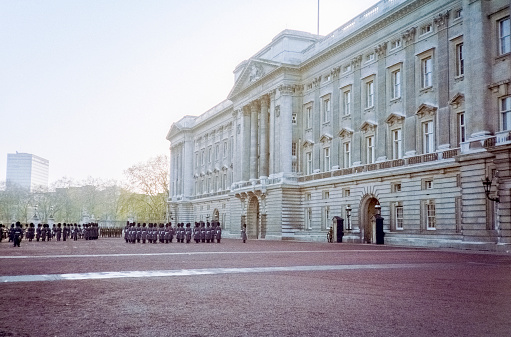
(287, 89)
(265, 100)
(246, 110)
(254, 105)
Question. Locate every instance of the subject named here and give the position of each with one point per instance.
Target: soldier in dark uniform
(143, 233)
(218, 232)
(208, 232)
(31, 232)
(188, 233)
(11, 233)
(126, 231)
(196, 233)
(139, 232)
(213, 231)
(202, 231)
(65, 232)
(75, 233)
(171, 232)
(17, 234)
(59, 232)
(244, 233)
(1, 232)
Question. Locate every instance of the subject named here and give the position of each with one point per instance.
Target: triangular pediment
(308, 143)
(394, 118)
(368, 126)
(325, 138)
(252, 72)
(426, 110)
(184, 123)
(457, 100)
(345, 133)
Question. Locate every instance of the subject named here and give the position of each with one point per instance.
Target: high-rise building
(27, 171)
(401, 113)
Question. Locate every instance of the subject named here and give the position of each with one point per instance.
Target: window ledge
(395, 100)
(426, 90)
(459, 78)
(503, 57)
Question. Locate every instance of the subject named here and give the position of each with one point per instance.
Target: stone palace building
(404, 109)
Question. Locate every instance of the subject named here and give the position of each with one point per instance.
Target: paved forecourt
(107, 287)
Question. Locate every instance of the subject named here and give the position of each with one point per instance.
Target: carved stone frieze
(277, 110)
(426, 110)
(356, 62)
(256, 72)
(442, 18)
(457, 101)
(381, 49)
(335, 72)
(409, 35)
(286, 89)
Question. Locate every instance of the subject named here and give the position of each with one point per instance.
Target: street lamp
(487, 189)
(348, 215)
(377, 211)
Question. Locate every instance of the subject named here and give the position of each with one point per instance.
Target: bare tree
(147, 189)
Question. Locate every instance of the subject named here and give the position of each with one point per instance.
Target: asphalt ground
(107, 287)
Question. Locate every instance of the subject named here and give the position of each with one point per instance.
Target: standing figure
(202, 231)
(218, 232)
(244, 233)
(143, 234)
(75, 233)
(208, 232)
(171, 232)
(59, 232)
(188, 233)
(31, 232)
(196, 233)
(17, 234)
(127, 231)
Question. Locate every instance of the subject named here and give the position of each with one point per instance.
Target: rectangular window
(225, 149)
(427, 137)
(196, 160)
(346, 68)
(217, 152)
(369, 94)
(460, 61)
(505, 111)
(293, 119)
(326, 159)
(209, 155)
(308, 117)
(326, 218)
(430, 215)
(346, 192)
(395, 44)
(308, 218)
(225, 181)
(347, 102)
(462, 131)
(427, 72)
(397, 144)
(326, 110)
(347, 154)
(293, 149)
(426, 29)
(308, 157)
(370, 150)
(398, 211)
(396, 84)
(504, 36)
(370, 57)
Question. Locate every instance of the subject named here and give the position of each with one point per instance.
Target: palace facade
(406, 108)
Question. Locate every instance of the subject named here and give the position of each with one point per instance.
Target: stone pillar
(245, 149)
(409, 130)
(444, 120)
(381, 108)
(478, 60)
(187, 160)
(264, 159)
(356, 115)
(286, 128)
(254, 106)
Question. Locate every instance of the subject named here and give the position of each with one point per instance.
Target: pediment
(368, 126)
(325, 138)
(457, 100)
(345, 133)
(394, 118)
(308, 143)
(252, 72)
(426, 110)
(174, 130)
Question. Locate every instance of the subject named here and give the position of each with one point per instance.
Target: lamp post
(348, 216)
(487, 189)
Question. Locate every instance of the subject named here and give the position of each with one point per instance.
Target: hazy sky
(94, 85)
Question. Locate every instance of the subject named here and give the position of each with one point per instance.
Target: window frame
(504, 38)
(505, 112)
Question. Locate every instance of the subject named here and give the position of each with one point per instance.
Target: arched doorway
(216, 215)
(253, 218)
(368, 220)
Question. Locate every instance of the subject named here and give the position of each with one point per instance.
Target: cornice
(371, 29)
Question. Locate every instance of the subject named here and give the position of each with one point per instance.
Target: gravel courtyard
(262, 288)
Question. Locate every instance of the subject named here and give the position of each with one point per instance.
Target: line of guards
(43, 232)
(165, 233)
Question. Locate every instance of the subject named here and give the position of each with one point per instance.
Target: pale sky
(94, 85)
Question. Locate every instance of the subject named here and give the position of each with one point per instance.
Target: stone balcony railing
(501, 138)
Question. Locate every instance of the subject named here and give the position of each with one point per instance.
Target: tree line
(140, 197)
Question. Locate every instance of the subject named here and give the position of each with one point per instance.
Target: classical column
(286, 128)
(245, 151)
(265, 103)
(477, 65)
(409, 136)
(253, 139)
